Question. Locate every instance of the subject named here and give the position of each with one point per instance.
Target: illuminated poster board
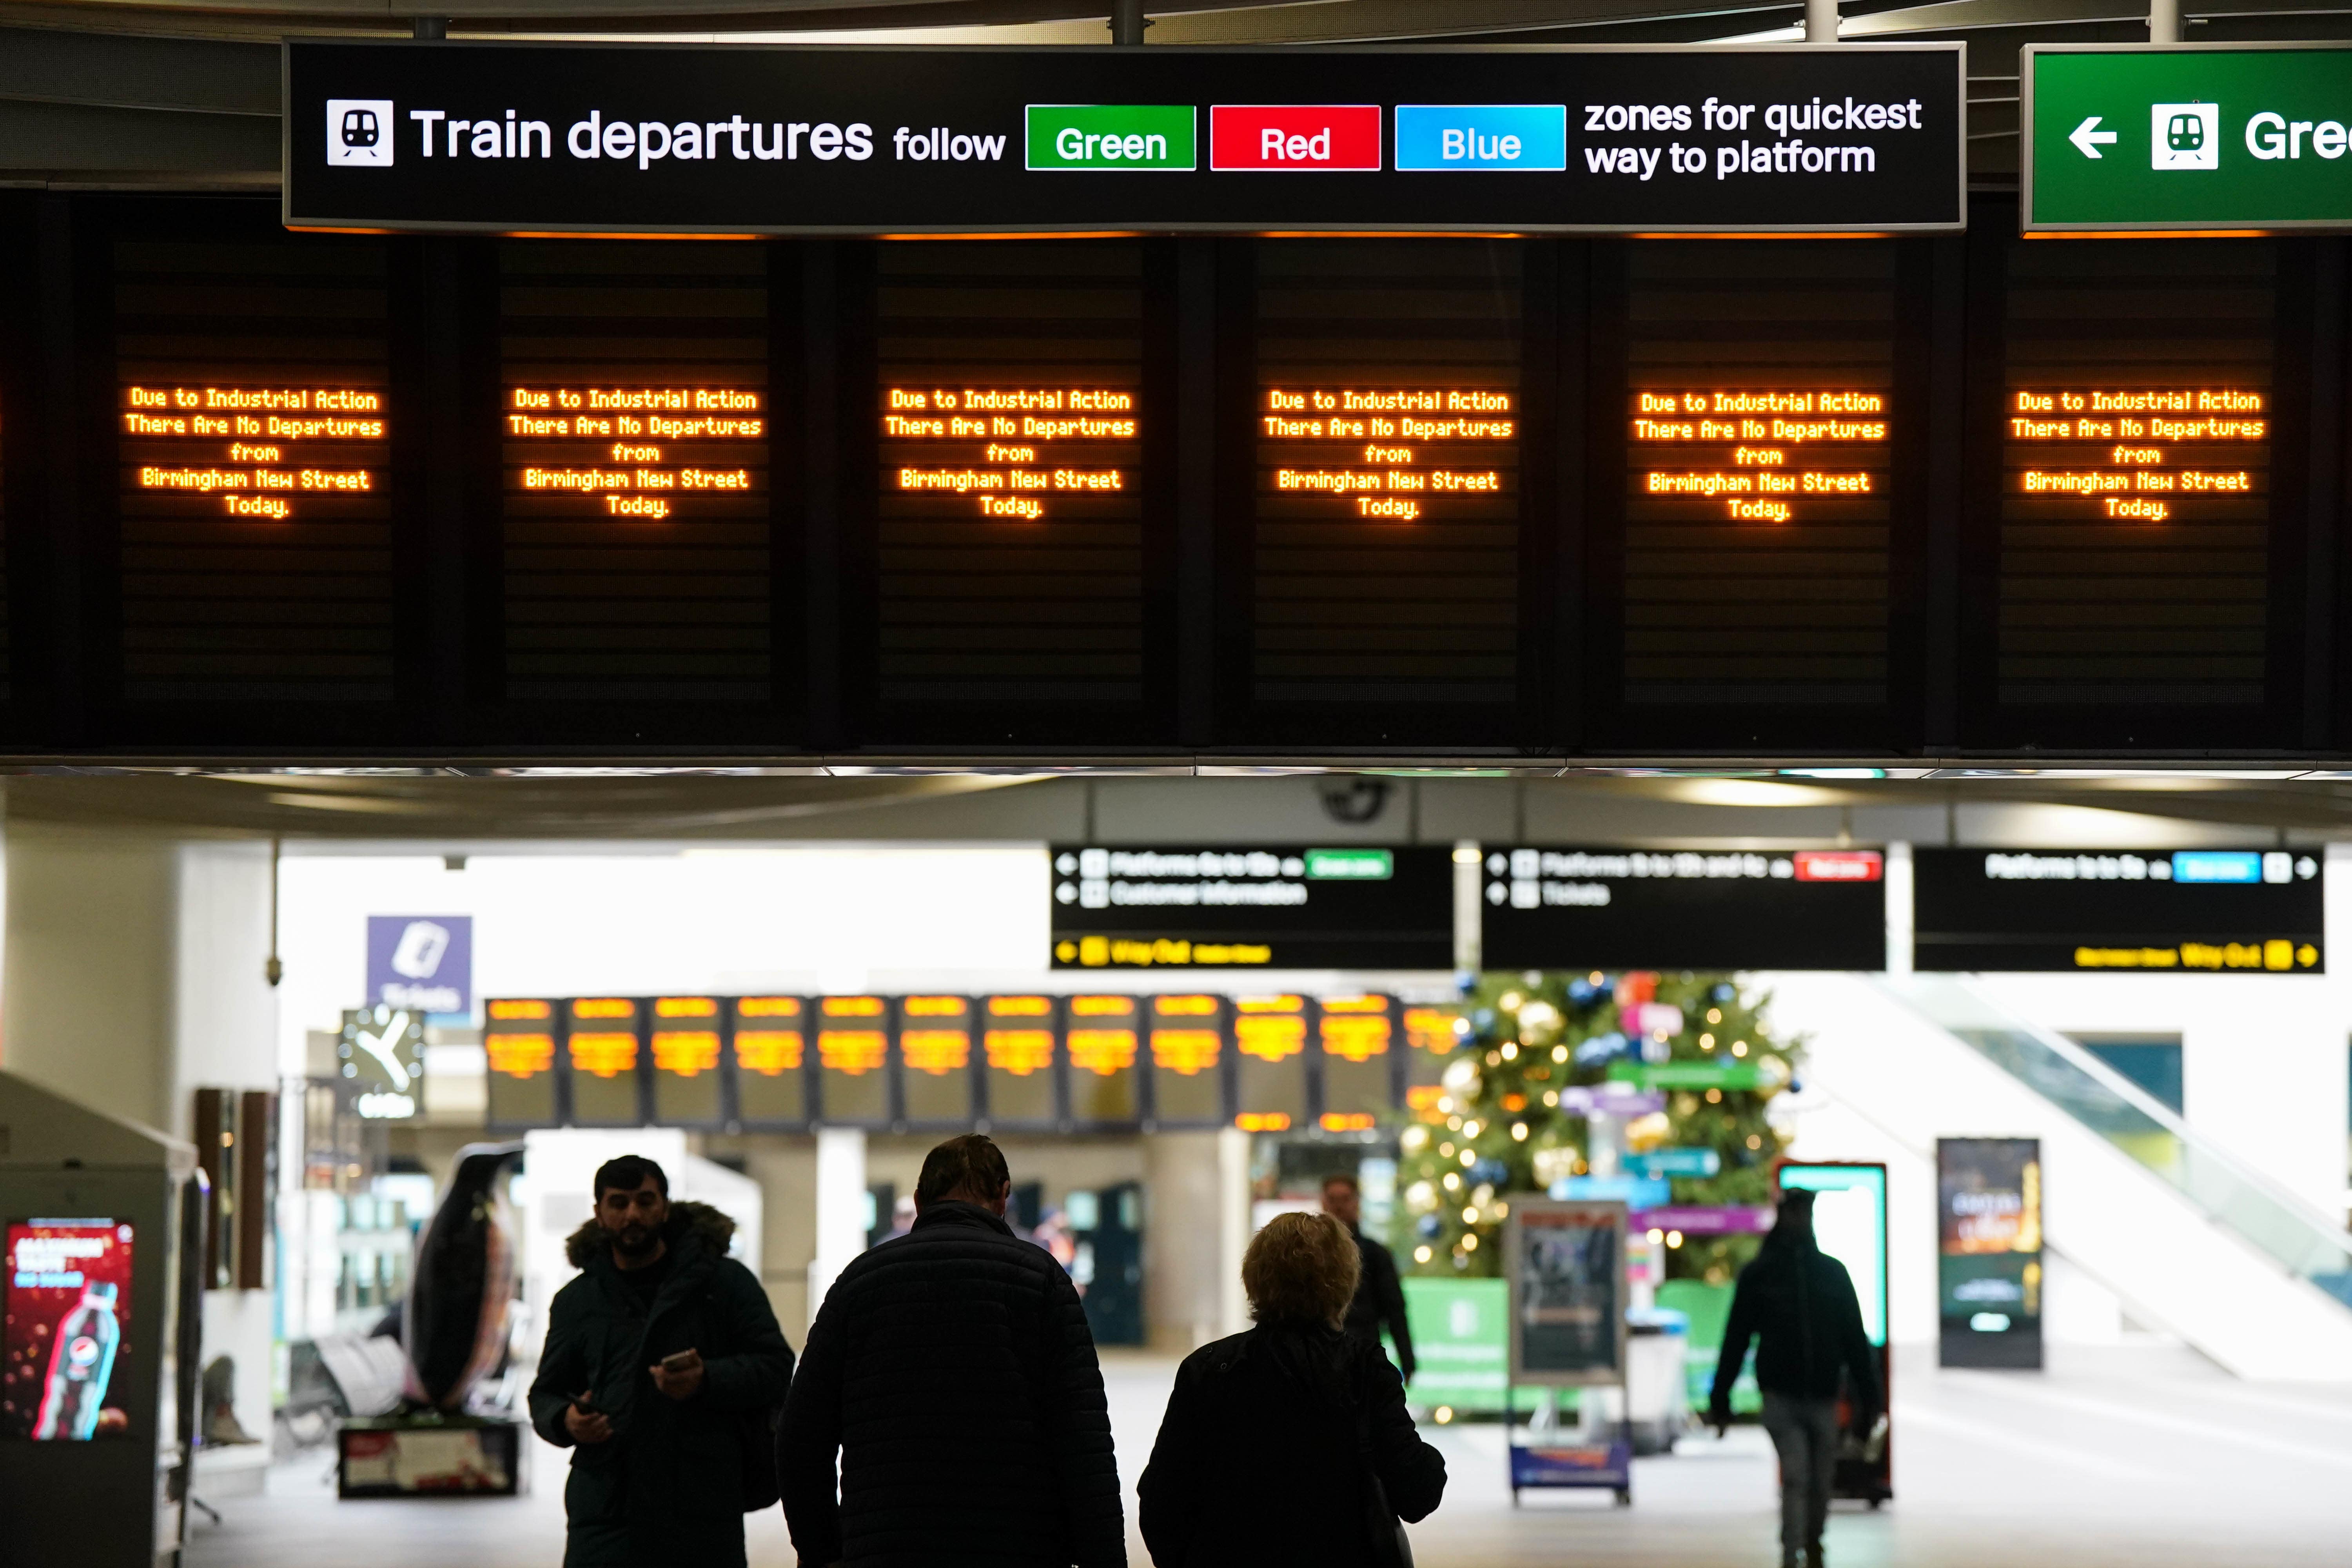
(1101, 1036)
(935, 1058)
(65, 1351)
(685, 1049)
(1761, 435)
(1017, 1040)
(1270, 1054)
(1430, 1040)
(601, 1050)
(1694, 909)
(1564, 1261)
(1262, 907)
(1850, 1225)
(518, 1041)
(253, 435)
(771, 1056)
(1388, 437)
(1188, 1044)
(2138, 431)
(1010, 495)
(853, 1050)
(1357, 1036)
(1989, 1251)
(2185, 911)
(634, 427)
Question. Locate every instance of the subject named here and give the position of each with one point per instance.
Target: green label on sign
(1349, 865)
(2180, 138)
(1116, 136)
(1687, 1075)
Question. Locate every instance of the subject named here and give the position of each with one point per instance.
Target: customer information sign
(2166, 138)
(696, 139)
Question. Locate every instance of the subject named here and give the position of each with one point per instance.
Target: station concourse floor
(2128, 1458)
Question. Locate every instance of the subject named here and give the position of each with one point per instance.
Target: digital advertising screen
(770, 1051)
(1850, 1226)
(1565, 1265)
(603, 1052)
(1715, 909)
(1357, 1035)
(935, 1058)
(1102, 1033)
(1188, 1044)
(853, 1053)
(1270, 1054)
(2182, 912)
(686, 1051)
(1989, 1251)
(1258, 908)
(519, 1043)
(65, 1343)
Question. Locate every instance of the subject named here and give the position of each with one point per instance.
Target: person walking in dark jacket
(1379, 1301)
(951, 1372)
(1800, 1302)
(663, 1360)
(1274, 1439)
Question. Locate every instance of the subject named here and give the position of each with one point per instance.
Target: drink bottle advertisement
(65, 1330)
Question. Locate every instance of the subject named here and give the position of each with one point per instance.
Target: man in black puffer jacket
(953, 1372)
(658, 1467)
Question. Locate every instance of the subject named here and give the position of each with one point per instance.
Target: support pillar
(840, 1209)
(1821, 21)
(2163, 21)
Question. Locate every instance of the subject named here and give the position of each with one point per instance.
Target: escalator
(2187, 1235)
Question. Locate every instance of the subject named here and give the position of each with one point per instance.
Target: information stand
(1564, 1264)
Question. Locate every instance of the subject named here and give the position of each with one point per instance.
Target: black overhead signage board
(1254, 907)
(1715, 909)
(2188, 911)
(649, 139)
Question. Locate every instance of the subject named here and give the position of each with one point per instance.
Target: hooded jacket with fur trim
(669, 1487)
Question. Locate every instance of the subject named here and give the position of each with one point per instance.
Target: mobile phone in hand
(681, 1361)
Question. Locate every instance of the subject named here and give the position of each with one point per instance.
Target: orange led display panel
(519, 1038)
(685, 1048)
(771, 1048)
(1356, 1034)
(1393, 453)
(1430, 1040)
(1018, 1042)
(1101, 1036)
(647, 454)
(1270, 1052)
(602, 1048)
(935, 1052)
(853, 1048)
(1187, 1038)
(1011, 454)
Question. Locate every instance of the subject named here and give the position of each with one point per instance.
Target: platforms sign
(1251, 907)
(1717, 909)
(2192, 136)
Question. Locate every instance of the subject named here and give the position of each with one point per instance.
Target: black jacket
(1380, 1302)
(666, 1488)
(953, 1372)
(1801, 1302)
(1258, 1463)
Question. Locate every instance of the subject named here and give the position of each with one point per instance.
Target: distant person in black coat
(1379, 1301)
(1800, 1304)
(952, 1371)
(1267, 1454)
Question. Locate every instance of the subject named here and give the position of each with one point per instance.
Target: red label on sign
(1295, 136)
(1839, 866)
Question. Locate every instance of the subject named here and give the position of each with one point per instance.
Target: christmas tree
(1500, 1128)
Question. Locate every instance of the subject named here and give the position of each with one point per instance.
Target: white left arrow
(2084, 137)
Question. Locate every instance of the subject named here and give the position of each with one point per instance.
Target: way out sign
(2170, 138)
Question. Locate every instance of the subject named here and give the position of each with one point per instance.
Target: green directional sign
(1349, 865)
(1138, 137)
(2166, 138)
(1687, 1075)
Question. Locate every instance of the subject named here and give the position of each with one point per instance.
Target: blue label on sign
(1637, 1192)
(2218, 866)
(1432, 136)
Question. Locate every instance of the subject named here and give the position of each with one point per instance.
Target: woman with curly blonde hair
(1289, 1444)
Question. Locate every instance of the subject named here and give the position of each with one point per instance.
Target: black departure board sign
(1187, 1038)
(1723, 909)
(1359, 1043)
(2185, 911)
(739, 138)
(601, 1050)
(1102, 1036)
(853, 1053)
(1017, 1042)
(685, 1047)
(519, 1048)
(1255, 908)
(771, 1051)
(935, 1058)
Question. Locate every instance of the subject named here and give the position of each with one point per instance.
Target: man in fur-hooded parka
(658, 1463)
